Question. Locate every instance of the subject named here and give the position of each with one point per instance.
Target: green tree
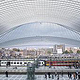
(49, 52)
(70, 51)
(15, 49)
(66, 52)
(78, 51)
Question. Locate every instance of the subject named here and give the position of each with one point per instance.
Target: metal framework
(61, 16)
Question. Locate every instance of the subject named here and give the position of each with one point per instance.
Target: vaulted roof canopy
(63, 14)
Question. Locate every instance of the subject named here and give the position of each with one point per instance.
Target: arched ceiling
(40, 32)
(14, 13)
(44, 39)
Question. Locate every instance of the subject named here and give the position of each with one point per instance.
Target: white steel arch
(40, 32)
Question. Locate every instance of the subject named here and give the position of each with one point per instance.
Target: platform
(37, 77)
(40, 70)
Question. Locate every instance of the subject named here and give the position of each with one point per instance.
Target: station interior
(39, 39)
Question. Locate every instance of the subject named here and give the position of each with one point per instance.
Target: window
(25, 63)
(14, 62)
(11, 62)
(20, 62)
(17, 62)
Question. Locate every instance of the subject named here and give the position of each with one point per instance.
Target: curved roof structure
(26, 21)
